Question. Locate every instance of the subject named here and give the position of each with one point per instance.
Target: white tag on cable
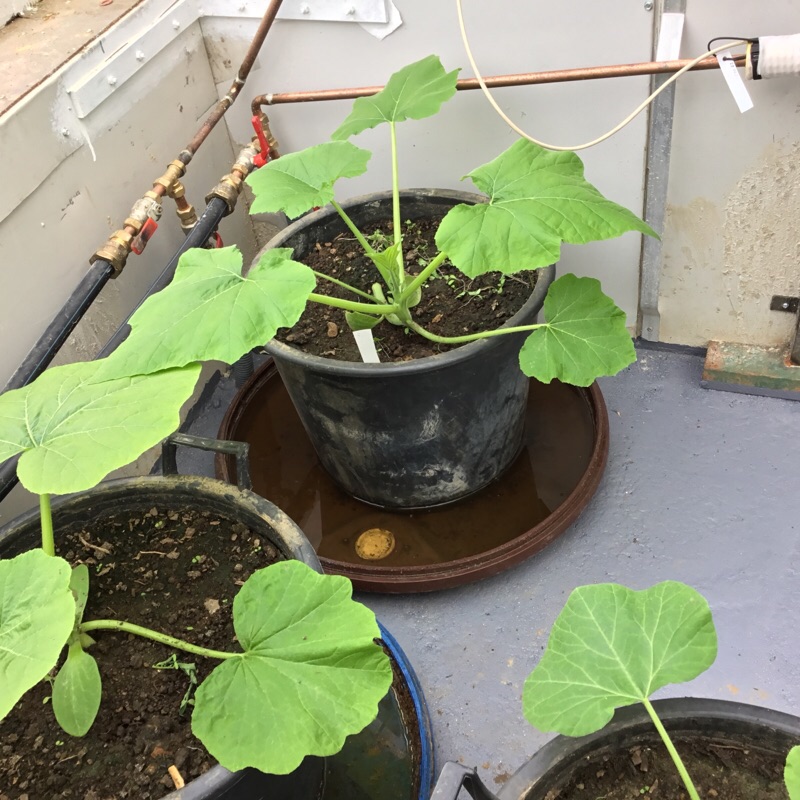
(366, 346)
(734, 80)
(669, 36)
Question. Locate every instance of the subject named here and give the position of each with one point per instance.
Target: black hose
(43, 352)
(79, 302)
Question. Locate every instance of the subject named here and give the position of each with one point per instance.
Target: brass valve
(175, 171)
(116, 251)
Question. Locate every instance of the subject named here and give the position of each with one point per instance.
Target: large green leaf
(72, 430)
(211, 312)
(585, 335)
(414, 92)
(537, 199)
(310, 674)
(612, 646)
(791, 774)
(297, 182)
(77, 690)
(37, 614)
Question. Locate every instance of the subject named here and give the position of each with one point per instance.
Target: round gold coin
(375, 544)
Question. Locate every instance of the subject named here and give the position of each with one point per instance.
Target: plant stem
(46, 514)
(349, 305)
(161, 638)
(396, 202)
(345, 285)
(355, 231)
(471, 337)
(422, 277)
(676, 759)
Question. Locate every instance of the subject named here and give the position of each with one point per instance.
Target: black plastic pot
(419, 433)
(717, 720)
(254, 511)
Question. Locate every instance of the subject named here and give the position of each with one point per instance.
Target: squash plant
(612, 646)
(536, 199)
(308, 673)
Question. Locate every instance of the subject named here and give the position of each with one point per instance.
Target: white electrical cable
(778, 55)
(609, 134)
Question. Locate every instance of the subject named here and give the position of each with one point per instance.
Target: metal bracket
(790, 305)
(780, 302)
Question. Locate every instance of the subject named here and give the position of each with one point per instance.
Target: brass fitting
(245, 161)
(271, 140)
(187, 216)
(228, 189)
(116, 251)
(175, 171)
(178, 191)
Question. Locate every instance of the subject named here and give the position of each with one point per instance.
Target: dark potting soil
(171, 569)
(451, 304)
(724, 769)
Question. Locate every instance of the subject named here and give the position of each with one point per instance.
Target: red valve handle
(140, 242)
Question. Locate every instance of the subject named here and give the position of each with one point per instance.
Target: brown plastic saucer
(531, 505)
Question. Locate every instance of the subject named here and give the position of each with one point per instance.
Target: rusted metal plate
(730, 366)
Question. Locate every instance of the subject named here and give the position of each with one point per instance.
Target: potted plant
(611, 648)
(304, 671)
(427, 430)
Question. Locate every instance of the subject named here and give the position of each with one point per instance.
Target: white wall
(508, 37)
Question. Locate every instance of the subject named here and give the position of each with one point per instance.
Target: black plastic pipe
(43, 352)
(79, 302)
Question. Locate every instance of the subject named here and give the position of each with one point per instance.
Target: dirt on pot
(723, 769)
(177, 571)
(451, 305)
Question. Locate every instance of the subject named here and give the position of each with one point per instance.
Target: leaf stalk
(471, 337)
(676, 759)
(46, 514)
(350, 305)
(170, 641)
(353, 229)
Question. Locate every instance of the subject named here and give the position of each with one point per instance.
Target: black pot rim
(253, 504)
(545, 276)
(682, 713)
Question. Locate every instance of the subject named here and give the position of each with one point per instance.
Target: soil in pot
(729, 769)
(566, 443)
(451, 304)
(173, 569)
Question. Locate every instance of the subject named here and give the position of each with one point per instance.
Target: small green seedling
(611, 647)
(307, 672)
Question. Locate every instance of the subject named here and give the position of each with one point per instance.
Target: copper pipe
(497, 81)
(244, 70)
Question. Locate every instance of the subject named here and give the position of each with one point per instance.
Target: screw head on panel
(112, 81)
(140, 55)
(648, 5)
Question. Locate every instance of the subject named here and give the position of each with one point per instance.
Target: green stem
(349, 305)
(422, 277)
(396, 201)
(345, 285)
(161, 638)
(46, 514)
(676, 759)
(471, 337)
(355, 231)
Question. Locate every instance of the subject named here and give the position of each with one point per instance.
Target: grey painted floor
(701, 486)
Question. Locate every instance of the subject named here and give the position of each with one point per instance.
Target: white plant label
(734, 81)
(669, 37)
(366, 346)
